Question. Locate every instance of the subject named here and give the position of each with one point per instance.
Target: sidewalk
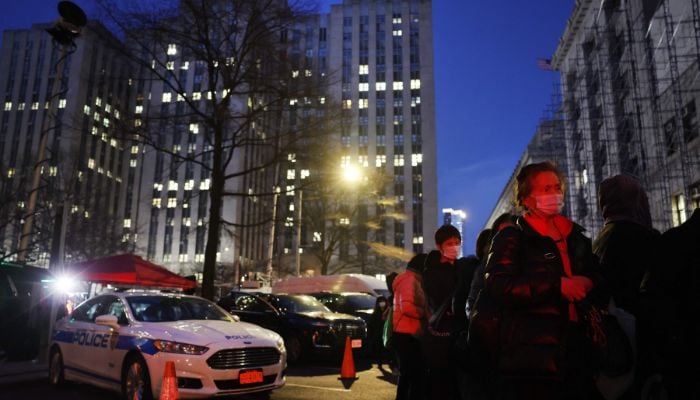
(20, 371)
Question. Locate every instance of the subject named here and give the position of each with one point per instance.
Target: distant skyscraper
(457, 219)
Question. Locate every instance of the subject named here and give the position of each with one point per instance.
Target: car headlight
(167, 346)
(280, 345)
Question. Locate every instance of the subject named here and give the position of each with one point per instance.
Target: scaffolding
(629, 77)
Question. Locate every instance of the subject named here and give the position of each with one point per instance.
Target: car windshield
(298, 303)
(359, 301)
(166, 308)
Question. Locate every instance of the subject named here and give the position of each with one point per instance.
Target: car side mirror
(108, 320)
(236, 317)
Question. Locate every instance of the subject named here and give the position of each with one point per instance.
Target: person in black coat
(446, 280)
(627, 248)
(538, 271)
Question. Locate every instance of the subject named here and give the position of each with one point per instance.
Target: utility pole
(71, 21)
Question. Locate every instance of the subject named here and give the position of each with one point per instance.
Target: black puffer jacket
(524, 274)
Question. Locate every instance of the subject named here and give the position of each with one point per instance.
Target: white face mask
(450, 252)
(382, 304)
(549, 204)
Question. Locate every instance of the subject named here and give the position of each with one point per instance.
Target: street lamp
(66, 28)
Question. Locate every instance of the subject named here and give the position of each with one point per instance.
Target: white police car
(123, 340)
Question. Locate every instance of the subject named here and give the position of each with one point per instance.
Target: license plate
(252, 376)
(356, 343)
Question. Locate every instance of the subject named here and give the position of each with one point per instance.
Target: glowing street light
(351, 173)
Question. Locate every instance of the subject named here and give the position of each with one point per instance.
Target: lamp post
(298, 249)
(68, 26)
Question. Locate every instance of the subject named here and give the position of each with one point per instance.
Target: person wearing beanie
(409, 319)
(446, 280)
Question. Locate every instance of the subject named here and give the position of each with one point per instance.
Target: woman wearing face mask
(538, 270)
(447, 279)
(375, 327)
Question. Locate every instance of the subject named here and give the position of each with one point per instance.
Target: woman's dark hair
(445, 232)
(482, 241)
(528, 173)
(503, 218)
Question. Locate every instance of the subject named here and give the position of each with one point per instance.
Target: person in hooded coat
(627, 248)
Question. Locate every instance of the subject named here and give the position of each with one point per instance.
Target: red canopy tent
(129, 269)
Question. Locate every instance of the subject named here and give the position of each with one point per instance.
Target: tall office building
(83, 174)
(376, 57)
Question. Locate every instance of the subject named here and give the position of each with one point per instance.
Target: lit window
(74, 209)
(295, 73)
(10, 172)
(307, 73)
(291, 174)
(304, 173)
(398, 85)
(156, 203)
(380, 86)
(187, 221)
(172, 185)
(127, 223)
(137, 122)
(230, 61)
(415, 83)
(20, 106)
(322, 100)
(132, 163)
(290, 190)
(194, 128)
(176, 148)
(317, 237)
(158, 186)
(189, 185)
(35, 105)
(94, 130)
(292, 157)
(196, 96)
(91, 163)
(191, 147)
(381, 160)
(172, 49)
(416, 159)
(97, 117)
(183, 257)
(170, 65)
(396, 20)
(116, 114)
(363, 160)
(347, 104)
(345, 221)
(418, 240)
(138, 110)
(105, 122)
(363, 87)
(113, 142)
(135, 149)
(86, 109)
(204, 185)
(172, 202)
(108, 108)
(180, 97)
(364, 69)
(398, 160)
(185, 65)
(678, 209)
(344, 161)
(363, 103)
(98, 101)
(292, 102)
(8, 105)
(397, 32)
(167, 97)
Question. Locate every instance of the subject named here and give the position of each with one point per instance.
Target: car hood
(206, 333)
(330, 316)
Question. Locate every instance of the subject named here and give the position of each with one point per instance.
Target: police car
(123, 340)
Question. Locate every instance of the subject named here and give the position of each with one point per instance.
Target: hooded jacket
(410, 308)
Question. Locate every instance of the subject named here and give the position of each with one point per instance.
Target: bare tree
(246, 96)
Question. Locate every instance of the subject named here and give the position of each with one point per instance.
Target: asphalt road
(312, 380)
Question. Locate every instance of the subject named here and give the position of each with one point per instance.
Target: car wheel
(293, 346)
(136, 382)
(56, 369)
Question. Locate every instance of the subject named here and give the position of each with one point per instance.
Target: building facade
(83, 186)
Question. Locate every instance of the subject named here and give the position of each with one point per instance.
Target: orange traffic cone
(347, 370)
(168, 388)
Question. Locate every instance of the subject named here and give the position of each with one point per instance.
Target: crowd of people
(534, 313)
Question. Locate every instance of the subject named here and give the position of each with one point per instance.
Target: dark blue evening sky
(490, 94)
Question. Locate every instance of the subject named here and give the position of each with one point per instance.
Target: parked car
(25, 305)
(307, 326)
(353, 303)
(123, 341)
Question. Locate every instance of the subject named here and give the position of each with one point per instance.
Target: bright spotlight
(66, 284)
(351, 173)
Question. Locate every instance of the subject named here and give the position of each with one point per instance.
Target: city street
(306, 381)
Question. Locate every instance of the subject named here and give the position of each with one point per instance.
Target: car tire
(136, 381)
(294, 349)
(56, 368)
